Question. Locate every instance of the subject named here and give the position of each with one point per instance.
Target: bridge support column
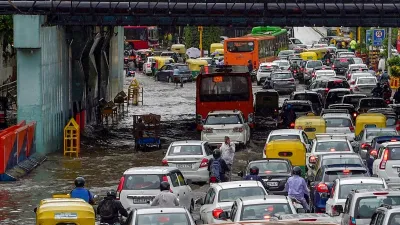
(117, 76)
(43, 81)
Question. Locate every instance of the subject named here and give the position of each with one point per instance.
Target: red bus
(141, 37)
(224, 88)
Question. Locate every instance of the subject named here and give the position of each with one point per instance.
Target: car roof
(300, 102)
(336, 167)
(355, 95)
(150, 170)
(281, 60)
(158, 210)
(321, 71)
(366, 77)
(188, 142)
(394, 143)
(270, 159)
(224, 112)
(339, 90)
(367, 74)
(263, 199)
(380, 129)
(236, 184)
(385, 137)
(337, 115)
(371, 191)
(335, 155)
(285, 131)
(266, 64)
(304, 92)
(357, 180)
(357, 65)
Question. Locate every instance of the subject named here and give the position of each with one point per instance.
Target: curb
(319, 32)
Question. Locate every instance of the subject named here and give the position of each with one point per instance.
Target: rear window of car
(281, 76)
(390, 121)
(262, 211)
(223, 119)
(371, 81)
(332, 146)
(331, 176)
(341, 62)
(341, 160)
(345, 189)
(231, 194)
(183, 68)
(268, 167)
(284, 137)
(308, 97)
(313, 64)
(378, 133)
(338, 122)
(394, 153)
(394, 218)
(163, 218)
(186, 150)
(284, 64)
(351, 100)
(142, 182)
(366, 206)
(373, 103)
(301, 108)
(338, 84)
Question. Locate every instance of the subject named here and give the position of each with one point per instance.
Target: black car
(335, 96)
(299, 107)
(274, 172)
(340, 65)
(353, 99)
(366, 104)
(314, 97)
(323, 85)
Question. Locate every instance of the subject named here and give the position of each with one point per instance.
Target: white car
(287, 134)
(326, 144)
(324, 73)
(387, 163)
(339, 123)
(220, 197)
(160, 215)
(139, 186)
(147, 65)
(264, 72)
(231, 123)
(259, 208)
(386, 215)
(191, 157)
(283, 64)
(354, 76)
(306, 217)
(342, 187)
(364, 85)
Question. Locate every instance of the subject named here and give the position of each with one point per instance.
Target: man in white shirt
(381, 64)
(228, 153)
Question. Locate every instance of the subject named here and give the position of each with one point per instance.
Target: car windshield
(370, 134)
(324, 74)
(372, 103)
(282, 53)
(331, 176)
(313, 64)
(183, 68)
(281, 76)
(332, 146)
(308, 97)
(268, 167)
(355, 76)
(283, 64)
(284, 137)
(394, 153)
(341, 62)
(142, 182)
(223, 119)
(231, 194)
(296, 41)
(186, 150)
(339, 84)
(263, 211)
(338, 122)
(358, 60)
(345, 189)
(302, 108)
(240, 46)
(390, 121)
(371, 81)
(366, 206)
(163, 219)
(341, 160)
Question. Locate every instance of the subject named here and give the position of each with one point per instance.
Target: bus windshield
(224, 88)
(240, 46)
(136, 33)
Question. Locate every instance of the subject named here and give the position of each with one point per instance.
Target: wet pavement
(107, 151)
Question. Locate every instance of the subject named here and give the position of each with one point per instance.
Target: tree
(6, 31)
(210, 35)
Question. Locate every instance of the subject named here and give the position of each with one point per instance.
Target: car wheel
(191, 209)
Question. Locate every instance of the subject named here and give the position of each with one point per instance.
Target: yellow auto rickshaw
(215, 46)
(371, 120)
(53, 211)
(293, 150)
(178, 48)
(308, 56)
(195, 66)
(319, 51)
(311, 125)
(162, 60)
(220, 52)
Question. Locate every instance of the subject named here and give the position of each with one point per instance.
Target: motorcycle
(130, 73)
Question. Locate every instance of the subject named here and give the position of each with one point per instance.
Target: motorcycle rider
(297, 188)
(110, 208)
(165, 198)
(254, 176)
(217, 166)
(81, 192)
(384, 78)
(327, 57)
(294, 67)
(387, 92)
(377, 91)
(396, 96)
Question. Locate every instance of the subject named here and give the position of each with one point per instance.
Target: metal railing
(8, 89)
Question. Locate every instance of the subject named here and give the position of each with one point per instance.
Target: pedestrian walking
(228, 153)
(381, 63)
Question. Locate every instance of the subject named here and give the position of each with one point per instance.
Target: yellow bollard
(72, 137)
(134, 88)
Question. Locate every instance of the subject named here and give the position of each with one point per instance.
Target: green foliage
(6, 29)
(394, 65)
(385, 42)
(210, 35)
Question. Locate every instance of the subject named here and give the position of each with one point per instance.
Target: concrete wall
(117, 77)
(43, 79)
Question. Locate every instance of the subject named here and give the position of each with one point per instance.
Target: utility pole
(389, 48)
(200, 29)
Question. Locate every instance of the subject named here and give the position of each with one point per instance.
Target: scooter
(130, 73)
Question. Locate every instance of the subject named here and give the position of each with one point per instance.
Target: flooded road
(106, 152)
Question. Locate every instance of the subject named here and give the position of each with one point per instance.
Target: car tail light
(313, 74)
(295, 71)
(163, 219)
(291, 80)
(292, 125)
(374, 152)
(120, 186)
(208, 130)
(356, 88)
(217, 212)
(322, 188)
(382, 165)
(301, 69)
(148, 65)
(352, 221)
(380, 193)
(398, 125)
(312, 159)
(204, 163)
(353, 82)
(351, 129)
(333, 66)
(213, 179)
(164, 162)
(326, 90)
(354, 115)
(238, 129)
(364, 145)
(393, 140)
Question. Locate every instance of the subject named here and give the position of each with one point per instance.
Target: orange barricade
(8, 148)
(21, 134)
(30, 143)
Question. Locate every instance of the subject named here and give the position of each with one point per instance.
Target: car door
(246, 126)
(186, 191)
(375, 167)
(316, 179)
(346, 212)
(208, 206)
(176, 188)
(161, 75)
(234, 214)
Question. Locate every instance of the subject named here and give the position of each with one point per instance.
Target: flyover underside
(225, 12)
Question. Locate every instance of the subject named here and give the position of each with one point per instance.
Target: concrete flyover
(212, 12)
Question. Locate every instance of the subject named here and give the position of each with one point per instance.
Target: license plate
(184, 165)
(141, 200)
(272, 184)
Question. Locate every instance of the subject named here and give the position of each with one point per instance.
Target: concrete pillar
(117, 77)
(43, 81)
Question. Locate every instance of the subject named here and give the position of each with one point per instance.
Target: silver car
(364, 85)
(365, 137)
(282, 81)
(160, 215)
(283, 64)
(337, 123)
(191, 157)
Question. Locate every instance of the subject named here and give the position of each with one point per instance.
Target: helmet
(111, 193)
(217, 153)
(164, 186)
(254, 170)
(289, 106)
(378, 84)
(296, 171)
(79, 182)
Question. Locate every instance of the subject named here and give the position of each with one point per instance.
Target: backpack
(107, 209)
(216, 169)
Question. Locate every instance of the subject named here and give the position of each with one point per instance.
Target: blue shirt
(82, 193)
(296, 187)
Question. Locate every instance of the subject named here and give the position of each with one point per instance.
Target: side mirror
(199, 201)
(300, 210)
(35, 209)
(240, 174)
(338, 209)
(189, 181)
(223, 216)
